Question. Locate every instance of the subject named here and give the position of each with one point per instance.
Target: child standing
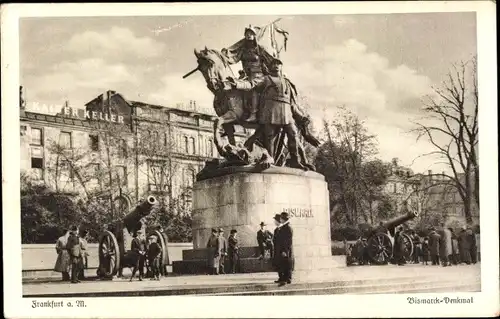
(154, 251)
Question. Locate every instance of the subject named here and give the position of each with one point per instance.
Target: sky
(378, 66)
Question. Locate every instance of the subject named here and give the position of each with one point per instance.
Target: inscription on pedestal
(299, 212)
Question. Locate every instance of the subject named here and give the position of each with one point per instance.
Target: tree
(45, 214)
(354, 176)
(451, 126)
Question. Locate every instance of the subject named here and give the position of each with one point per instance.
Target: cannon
(114, 243)
(380, 246)
(377, 245)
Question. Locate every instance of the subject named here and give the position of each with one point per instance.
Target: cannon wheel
(109, 255)
(379, 248)
(408, 243)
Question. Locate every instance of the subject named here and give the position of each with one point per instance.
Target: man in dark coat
(265, 241)
(464, 246)
(213, 252)
(284, 251)
(75, 253)
(473, 245)
(445, 245)
(223, 251)
(399, 247)
(232, 251)
(425, 250)
(434, 246)
(277, 223)
(138, 247)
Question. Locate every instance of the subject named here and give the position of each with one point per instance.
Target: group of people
(72, 255)
(222, 249)
(278, 244)
(146, 253)
(444, 247)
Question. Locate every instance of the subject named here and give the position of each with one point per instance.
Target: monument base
(240, 198)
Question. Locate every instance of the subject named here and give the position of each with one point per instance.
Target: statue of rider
(276, 113)
(256, 62)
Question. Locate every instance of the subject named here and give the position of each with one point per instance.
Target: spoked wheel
(408, 246)
(109, 255)
(379, 248)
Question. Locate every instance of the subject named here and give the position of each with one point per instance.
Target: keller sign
(94, 115)
(299, 212)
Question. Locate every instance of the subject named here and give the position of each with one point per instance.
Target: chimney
(429, 172)
(194, 105)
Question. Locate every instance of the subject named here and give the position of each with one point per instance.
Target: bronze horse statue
(229, 107)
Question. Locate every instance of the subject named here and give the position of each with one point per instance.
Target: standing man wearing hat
(277, 223)
(138, 246)
(232, 251)
(213, 256)
(75, 253)
(223, 251)
(255, 60)
(284, 251)
(276, 110)
(265, 241)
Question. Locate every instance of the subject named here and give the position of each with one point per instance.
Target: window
(395, 188)
(94, 142)
(158, 176)
(37, 162)
(122, 149)
(65, 140)
(192, 145)
(186, 145)
(121, 175)
(65, 172)
(36, 136)
(210, 148)
(165, 139)
(94, 172)
(154, 137)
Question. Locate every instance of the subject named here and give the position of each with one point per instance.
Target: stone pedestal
(240, 198)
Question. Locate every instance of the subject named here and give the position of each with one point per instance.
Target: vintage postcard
(250, 160)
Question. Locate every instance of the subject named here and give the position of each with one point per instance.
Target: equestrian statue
(260, 98)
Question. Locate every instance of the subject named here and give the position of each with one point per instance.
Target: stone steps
(265, 286)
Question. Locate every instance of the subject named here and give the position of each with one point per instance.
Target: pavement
(356, 279)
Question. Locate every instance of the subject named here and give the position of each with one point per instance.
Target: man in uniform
(265, 241)
(255, 60)
(464, 245)
(223, 251)
(399, 247)
(276, 109)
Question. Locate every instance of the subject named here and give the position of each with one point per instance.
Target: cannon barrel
(392, 223)
(132, 220)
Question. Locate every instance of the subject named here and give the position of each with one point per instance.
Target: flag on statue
(267, 37)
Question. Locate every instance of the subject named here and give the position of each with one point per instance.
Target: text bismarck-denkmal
(437, 301)
(56, 304)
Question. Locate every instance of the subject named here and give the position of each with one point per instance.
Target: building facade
(118, 148)
(428, 194)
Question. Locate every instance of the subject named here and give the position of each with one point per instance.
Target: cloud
(117, 43)
(175, 90)
(348, 74)
(66, 79)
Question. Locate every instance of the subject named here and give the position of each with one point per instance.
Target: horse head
(214, 67)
